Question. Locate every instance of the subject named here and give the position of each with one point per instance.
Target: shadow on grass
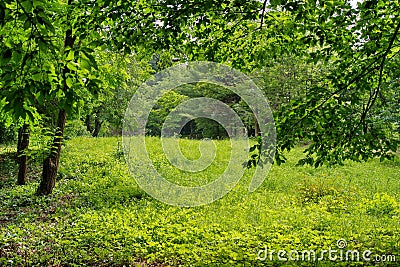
(395, 163)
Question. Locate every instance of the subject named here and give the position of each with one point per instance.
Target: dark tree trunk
(94, 131)
(256, 127)
(97, 126)
(191, 129)
(89, 127)
(23, 143)
(51, 162)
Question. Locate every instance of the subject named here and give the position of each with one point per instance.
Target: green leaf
(27, 24)
(90, 58)
(60, 93)
(45, 21)
(71, 55)
(85, 64)
(69, 82)
(42, 46)
(37, 76)
(39, 97)
(72, 66)
(27, 5)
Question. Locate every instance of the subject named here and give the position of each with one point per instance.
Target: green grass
(98, 216)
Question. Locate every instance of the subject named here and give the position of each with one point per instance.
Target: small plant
(119, 152)
(313, 192)
(335, 203)
(382, 204)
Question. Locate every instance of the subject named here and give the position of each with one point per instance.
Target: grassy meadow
(98, 216)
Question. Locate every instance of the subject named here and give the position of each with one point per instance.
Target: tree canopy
(329, 68)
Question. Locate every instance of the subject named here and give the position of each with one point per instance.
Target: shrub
(312, 192)
(75, 128)
(7, 134)
(382, 204)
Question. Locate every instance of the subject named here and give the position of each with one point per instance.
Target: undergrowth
(98, 216)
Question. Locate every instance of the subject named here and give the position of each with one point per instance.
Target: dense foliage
(68, 69)
(342, 60)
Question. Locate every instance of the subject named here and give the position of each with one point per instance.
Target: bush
(312, 192)
(75, 128)
(7, 134)
(382, 204)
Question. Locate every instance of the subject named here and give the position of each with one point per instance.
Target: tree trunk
(256, 127)
(89, 127)
(23, 143)
(97, 126)
(51, 162)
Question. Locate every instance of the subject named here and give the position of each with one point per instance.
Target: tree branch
(371, 100)
(263, 13)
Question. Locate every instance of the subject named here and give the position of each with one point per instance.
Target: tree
(18, 76)
(121, 75)
(161, 110)
(38, 68)
(358, 44)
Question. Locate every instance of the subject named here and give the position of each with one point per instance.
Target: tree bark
(94, 131)
(23, 143)
(51, 162)
(88, 124)
(97, 126)
(256, 127)
(191, 129)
